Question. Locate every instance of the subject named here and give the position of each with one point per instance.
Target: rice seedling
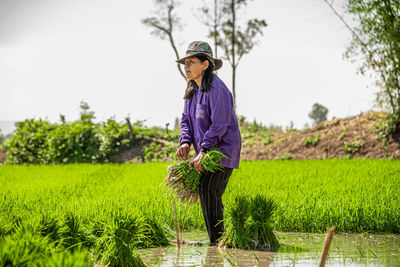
(118, 244)
(117, 247)
(355, 195)
(67, 258)
(248, 224)
(24, 248)
(184, 181)
(73, 233)
(49, 226)
(6, 227)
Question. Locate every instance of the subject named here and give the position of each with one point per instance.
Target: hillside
(338, 138)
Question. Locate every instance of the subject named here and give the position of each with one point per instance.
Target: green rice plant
(249, 225)
(184, 181)
(24, 248)
(236, 224)
(49, 226)
(77, 258)
(73, 234)
(157, 233)
(6, 227)
(261, 228)
(122, 236)
(355, 195)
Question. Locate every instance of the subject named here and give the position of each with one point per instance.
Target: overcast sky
(56, 53)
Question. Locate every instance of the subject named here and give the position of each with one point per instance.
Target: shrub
(286, 156)
(30, 142)
(76, 142)
(342, 134)
(353, 147)
(311, 141)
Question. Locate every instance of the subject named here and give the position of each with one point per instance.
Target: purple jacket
(208, 121)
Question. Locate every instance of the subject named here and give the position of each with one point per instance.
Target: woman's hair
(205, 82)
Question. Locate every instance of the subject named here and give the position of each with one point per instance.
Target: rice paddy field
(104, 214)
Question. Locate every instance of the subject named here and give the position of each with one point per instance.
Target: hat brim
(217, 61)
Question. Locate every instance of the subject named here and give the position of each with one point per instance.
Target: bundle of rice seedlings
(123, 235)
(248, 224)
(184, 182)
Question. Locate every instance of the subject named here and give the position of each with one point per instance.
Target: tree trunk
(171, 40)
(131, 135)
(233, 54)
(215, 27)
(234, 87)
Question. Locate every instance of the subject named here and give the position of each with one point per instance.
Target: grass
(81, 209)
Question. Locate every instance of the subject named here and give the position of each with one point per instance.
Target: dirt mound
(338, 138)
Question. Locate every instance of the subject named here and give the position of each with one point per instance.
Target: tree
(318, 113)
(212, 18)
(164, 25)
(377, 40)
(234, 40)
(86, 115)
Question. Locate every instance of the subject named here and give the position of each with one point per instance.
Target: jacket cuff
(185, 142)
(203, 149)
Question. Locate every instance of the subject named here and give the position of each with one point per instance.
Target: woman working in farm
(208, 121)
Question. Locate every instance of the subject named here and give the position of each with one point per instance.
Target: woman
(208, 121)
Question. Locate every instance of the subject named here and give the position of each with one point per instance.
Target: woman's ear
(206, 63)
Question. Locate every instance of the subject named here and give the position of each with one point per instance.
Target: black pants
(212, 187)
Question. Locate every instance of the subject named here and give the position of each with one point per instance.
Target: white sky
(55, 53)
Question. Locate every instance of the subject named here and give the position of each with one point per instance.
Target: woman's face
(195, 69)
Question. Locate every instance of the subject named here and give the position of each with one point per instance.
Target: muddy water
(297, 249)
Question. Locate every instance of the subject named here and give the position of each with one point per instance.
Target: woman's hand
(183, 151)
(196, 163)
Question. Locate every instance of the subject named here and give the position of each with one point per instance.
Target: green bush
(84, 141)
(115, 138)
(41, 142)
(75, 142)
(81, 141)
(30, 142)
(353, 147)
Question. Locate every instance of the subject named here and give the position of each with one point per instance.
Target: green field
(83, 206)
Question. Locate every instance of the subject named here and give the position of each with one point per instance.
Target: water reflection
(297, 249)
(189, 255)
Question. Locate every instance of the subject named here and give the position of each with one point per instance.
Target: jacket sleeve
(186, 132)
(221, 106)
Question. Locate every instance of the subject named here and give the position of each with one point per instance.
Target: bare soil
(357, 132)
(3, 154)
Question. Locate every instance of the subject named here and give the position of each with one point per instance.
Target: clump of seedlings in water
(184, 181)
(248, 224)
